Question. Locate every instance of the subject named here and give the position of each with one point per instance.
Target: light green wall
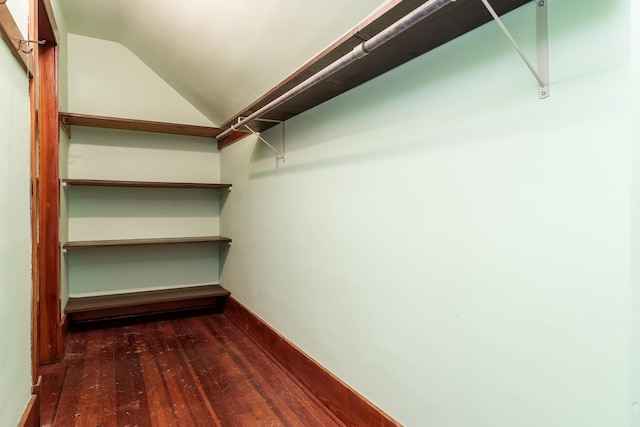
(635, 215)
(106, 79)
(97, 213)
(449, 245)
(15, 241)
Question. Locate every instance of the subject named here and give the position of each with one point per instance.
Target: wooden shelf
(443, 26)
(75, 119)
(150, 184)
(148, 302)
(144, 242)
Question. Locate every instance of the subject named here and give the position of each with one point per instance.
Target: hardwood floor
(200, 370)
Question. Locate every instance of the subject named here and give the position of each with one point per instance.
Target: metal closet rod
(358, 52)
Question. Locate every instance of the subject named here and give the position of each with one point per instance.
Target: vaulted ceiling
(220, 55)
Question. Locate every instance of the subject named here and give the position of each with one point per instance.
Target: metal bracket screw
(541, 3)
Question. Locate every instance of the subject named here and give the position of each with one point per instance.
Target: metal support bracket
(26, 43)
(542, 72)
(257, 134)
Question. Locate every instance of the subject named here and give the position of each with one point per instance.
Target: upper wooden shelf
(150, 184)
(443, 26)
(75, 119)
(144, 242)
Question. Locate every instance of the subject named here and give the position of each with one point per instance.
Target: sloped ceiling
(220, 55)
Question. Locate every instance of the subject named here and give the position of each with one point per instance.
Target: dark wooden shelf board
(150, 184)
(144, 242)
(149, 302)
(443, 26)
(75, 119)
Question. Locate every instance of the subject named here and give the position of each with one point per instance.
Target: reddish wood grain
(75, 119)
(31, 415)
(349, 406)
(200, 370)
(49, 241)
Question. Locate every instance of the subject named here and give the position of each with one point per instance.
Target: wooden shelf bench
(146, 184)
(102, 307)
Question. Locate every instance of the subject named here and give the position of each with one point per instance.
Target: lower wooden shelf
(150, 302)
(144, 242)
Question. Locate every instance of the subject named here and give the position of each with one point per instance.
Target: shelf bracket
(257, 134)
(65, 124)
(542, 72)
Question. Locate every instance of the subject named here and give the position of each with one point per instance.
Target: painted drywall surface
(64, 218)
(20, 12)
(97, 213)
(449, 245)
(60, 25)
(106, 79)
(219, 54)
(15, 241)
(634, 401)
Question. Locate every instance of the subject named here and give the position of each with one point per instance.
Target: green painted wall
(634, 382)
(452, 247)
(112, 81)
(15, 240)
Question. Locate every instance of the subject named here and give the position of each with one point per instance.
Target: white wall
(449, 245)
(15, 241)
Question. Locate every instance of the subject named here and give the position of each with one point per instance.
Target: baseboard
(346, 404)
(62, 337)
(31, 415)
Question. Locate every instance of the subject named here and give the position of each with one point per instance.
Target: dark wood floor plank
(269, 382)
(71, 390)
(198, 404)
(107, 378)
(161, 409)
(131, 401)
(189, 371)
(91, 376)
(51, 391)
(192, 363)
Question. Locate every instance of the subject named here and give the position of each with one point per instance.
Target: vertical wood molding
(31, 414)
(35, 264)
(344, 402)
(49, 241)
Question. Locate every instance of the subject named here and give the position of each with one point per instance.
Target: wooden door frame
(48, 342)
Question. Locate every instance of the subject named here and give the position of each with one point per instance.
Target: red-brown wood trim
(31, 414)
(10, 33)
(49, 195)
(45, 23)
(344, 402)
(35, 221)
(62, 336)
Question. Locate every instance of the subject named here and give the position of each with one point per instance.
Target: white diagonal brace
(541, 27)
